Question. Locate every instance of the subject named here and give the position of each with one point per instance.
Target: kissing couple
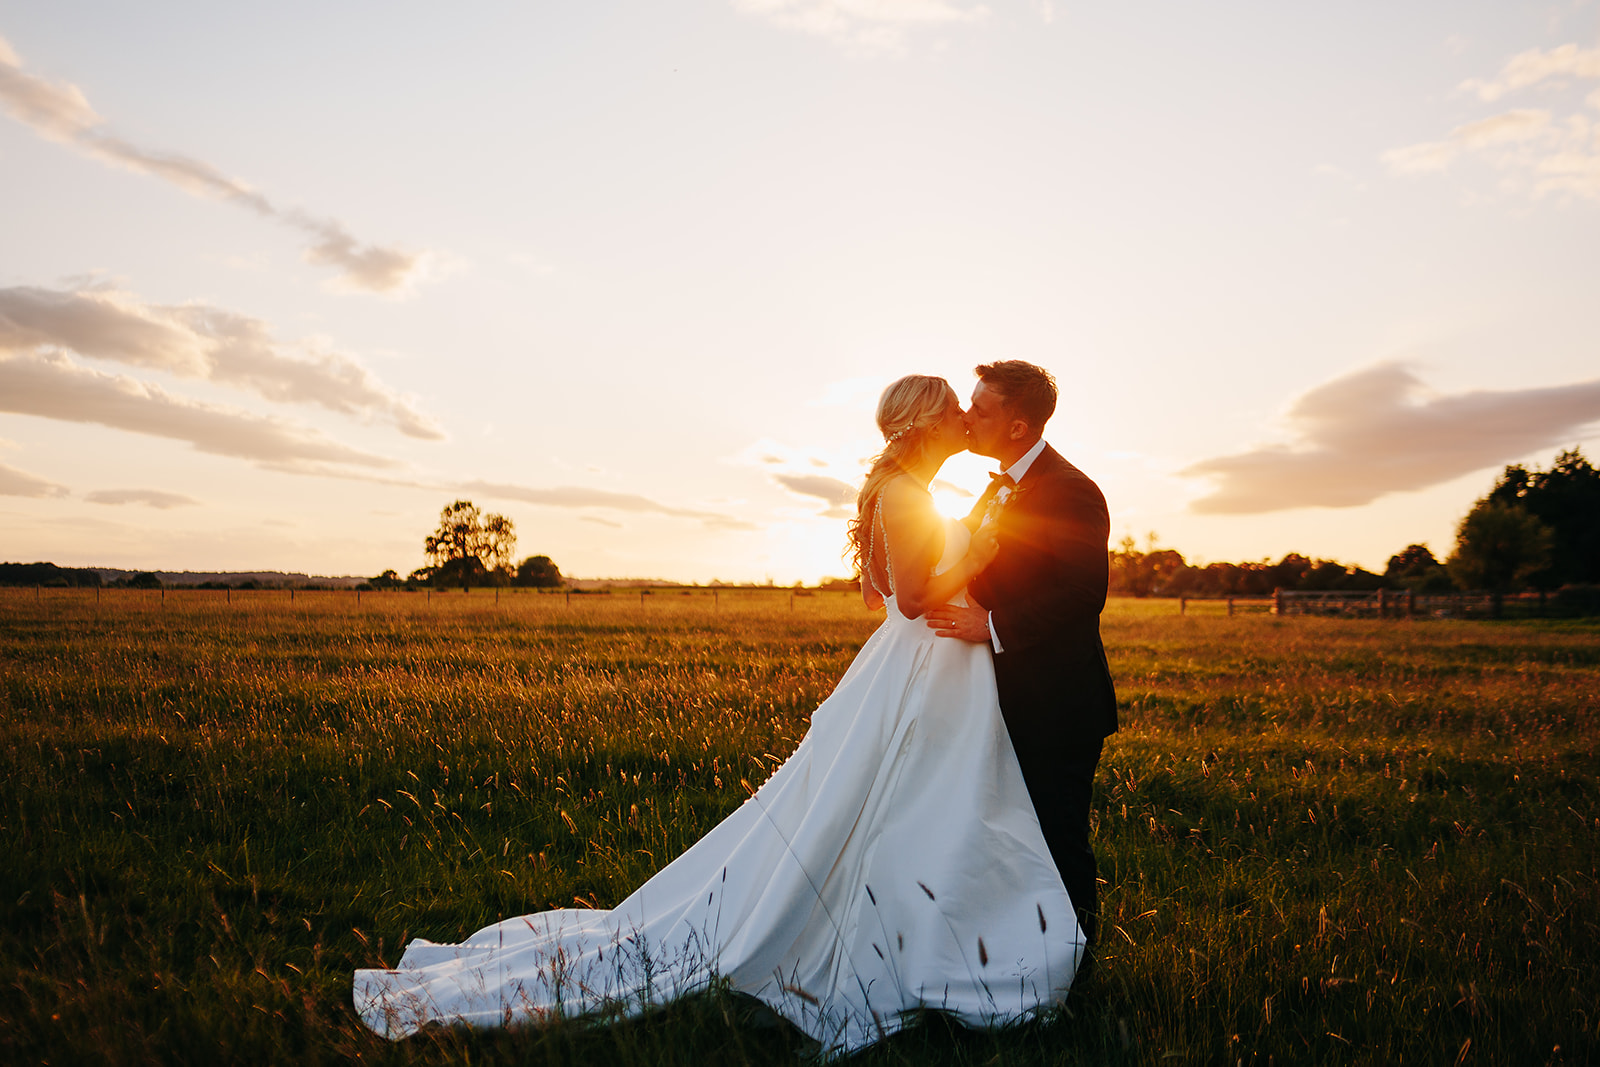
(926, 846)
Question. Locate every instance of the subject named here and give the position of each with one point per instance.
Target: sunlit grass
(1324, 840)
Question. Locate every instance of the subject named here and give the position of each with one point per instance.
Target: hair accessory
(901, 432)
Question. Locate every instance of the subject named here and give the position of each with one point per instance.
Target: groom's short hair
(1029, 392)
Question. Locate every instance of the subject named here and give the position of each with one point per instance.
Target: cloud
(821, 486)
(19, 483)
(840, 495)
(1379, 431)
(573, 496)
(58, 111)
(865, 27)
(51, 386)
(1534, 66)
(1541, 153)
(153, 498)
(198, 341)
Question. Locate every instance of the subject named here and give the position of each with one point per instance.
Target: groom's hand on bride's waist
(950, 620)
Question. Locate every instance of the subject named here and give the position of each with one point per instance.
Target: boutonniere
(1012, 497)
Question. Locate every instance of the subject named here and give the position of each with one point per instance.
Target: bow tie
(1001, 480)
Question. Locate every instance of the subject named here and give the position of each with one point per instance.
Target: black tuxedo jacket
(1044, 591)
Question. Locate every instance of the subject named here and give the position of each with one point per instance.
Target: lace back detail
(879, 572)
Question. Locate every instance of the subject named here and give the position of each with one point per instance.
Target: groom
(1041, 600)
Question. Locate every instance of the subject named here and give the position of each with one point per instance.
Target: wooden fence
(1405, 604)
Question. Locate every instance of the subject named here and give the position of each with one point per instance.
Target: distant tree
(389, 579)
(144, 580)
(1414, 567)
(539, 572)
(1566, 498)
(48, 574)
(1498, 546)
(1324, 574)
(1361, 578)
(1136, 573)
(1291, 572)
(469, 545)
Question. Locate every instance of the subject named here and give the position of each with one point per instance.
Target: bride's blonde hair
(907, 410)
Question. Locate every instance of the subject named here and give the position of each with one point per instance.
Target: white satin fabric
(894, 862)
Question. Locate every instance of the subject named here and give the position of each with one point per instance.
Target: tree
(1566, 498)
(389, 579)
(1414, 567)
(1498, 546)
(1135, 573)
(539, 572)
(469, 544)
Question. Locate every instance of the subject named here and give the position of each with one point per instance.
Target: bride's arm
(915, 533)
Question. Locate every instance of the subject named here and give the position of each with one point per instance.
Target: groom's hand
(968, 624)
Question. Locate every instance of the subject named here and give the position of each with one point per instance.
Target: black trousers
(1061, 784)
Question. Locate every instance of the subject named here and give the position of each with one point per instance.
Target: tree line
(1535, 529)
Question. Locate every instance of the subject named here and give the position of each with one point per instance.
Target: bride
(893, 863)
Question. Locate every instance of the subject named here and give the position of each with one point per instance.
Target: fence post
(1183, 605)
(497, 594)
(1277, 601)
(1230, 607)
(1383, 604)
(569, 598)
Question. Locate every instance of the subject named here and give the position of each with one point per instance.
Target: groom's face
(990, 425)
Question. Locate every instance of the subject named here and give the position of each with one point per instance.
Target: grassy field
(1324, 841)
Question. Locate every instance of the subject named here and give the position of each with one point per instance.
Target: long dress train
(893, 862)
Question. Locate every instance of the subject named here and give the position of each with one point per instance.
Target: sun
(951, 502)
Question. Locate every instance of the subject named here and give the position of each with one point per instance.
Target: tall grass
(1324, 841)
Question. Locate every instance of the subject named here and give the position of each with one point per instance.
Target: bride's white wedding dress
(894, 862)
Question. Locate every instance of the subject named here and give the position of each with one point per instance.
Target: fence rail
(1388, 603)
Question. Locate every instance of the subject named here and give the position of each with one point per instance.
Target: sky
(279, 282)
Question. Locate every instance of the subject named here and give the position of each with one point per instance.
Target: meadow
(1324, 841)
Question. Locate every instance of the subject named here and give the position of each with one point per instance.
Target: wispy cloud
(60, 112)
(199, 341)
(52, 386)
(1542, 153)
(574, 496)
(1380, 431)
(840, 495)
(150, 498)
(1537, 65)
(868, 27)
(20, 483)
